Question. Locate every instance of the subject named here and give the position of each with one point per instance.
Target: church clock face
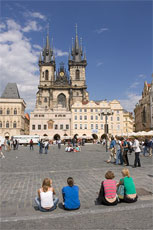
(61, 74)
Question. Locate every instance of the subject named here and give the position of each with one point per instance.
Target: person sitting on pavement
(130, 195)
(69, 148)
(71, 195)
(107, 194)
(45, 200)
(76, 149)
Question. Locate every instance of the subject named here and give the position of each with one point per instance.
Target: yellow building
(128, 120)
(12, 108)
(87, 118)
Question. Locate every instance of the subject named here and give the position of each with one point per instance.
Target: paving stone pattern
(22, 173)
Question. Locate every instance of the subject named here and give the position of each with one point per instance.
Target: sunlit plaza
(22, 173)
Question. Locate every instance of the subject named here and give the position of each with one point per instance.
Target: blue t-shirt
(71, 197)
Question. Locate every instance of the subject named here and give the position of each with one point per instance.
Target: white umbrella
(150, 133)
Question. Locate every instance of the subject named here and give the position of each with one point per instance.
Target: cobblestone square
(22, 172)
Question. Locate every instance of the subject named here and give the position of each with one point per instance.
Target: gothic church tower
(77, 66)
(47, 76)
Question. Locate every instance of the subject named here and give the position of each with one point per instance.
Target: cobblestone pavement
(22, 172)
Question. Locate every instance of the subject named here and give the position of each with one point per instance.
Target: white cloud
(101, 30)
(37, 47)
(130, 102)
(143, 76)
(135, 84)
(18, 63)
(32, 25)
(99, 64)
(12, 25)
(2, 26)
(19, 60)
(60, 53)
(37, 15)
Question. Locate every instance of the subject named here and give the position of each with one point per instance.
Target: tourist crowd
(121, 147)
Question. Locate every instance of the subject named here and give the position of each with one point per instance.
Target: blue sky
(117, 37)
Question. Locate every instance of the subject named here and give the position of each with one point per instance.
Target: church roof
(11, 91)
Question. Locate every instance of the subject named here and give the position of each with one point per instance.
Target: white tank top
(46, 199)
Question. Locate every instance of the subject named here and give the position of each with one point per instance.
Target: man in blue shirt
(71, 195)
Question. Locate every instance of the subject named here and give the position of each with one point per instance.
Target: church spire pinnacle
(47, 50)
(76, 51)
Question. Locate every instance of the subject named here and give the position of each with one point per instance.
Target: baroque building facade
(143, 110)
(62, 101)
(12, 117)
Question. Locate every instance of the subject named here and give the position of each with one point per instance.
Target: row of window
(91, 110)
(92, 117)
(92, 126)
(42, 115)
(8, 111)
(44, 127)
(7, 125)
(46, 75)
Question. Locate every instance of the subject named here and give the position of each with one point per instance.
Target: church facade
(58, 91)
(62, 101)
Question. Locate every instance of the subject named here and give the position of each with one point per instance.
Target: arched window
(7, 124)
(8, 111)
(0, 124)
(1, 111)
(14, 124)
(46, 75)
(77, 74)
(62, 100)
(15, 111)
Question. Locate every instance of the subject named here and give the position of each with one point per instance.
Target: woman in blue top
(71, 195)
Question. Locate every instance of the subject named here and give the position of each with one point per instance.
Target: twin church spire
(76, 54)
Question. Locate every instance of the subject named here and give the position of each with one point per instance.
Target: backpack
(129, 146)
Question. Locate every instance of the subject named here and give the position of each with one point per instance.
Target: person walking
(59, 143)
(41, 145)
(1, 153)
(46, 144)
(137, 153)
(31, 144)
(146, 145)
(125, 151)
(119, 153)
(14, 144)
(112, 150)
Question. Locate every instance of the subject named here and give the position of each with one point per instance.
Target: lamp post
(106, 113)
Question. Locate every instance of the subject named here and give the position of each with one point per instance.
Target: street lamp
(106, 113)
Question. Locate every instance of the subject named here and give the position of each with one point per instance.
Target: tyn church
(58, 91)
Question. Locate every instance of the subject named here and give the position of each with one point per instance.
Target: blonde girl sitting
(45, 200)
(130, 195)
